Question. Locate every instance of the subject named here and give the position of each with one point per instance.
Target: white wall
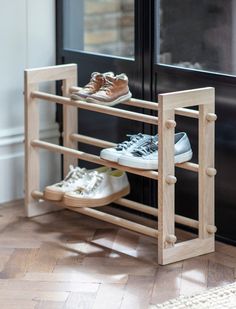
(27, 40)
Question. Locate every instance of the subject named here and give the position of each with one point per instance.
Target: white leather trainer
(75, 178)
(100, 190)
(135, 141)
(146, 157)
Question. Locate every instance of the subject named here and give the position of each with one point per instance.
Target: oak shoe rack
(168, 105)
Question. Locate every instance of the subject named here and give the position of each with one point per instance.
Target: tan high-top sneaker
(115, 90)
(96, 82)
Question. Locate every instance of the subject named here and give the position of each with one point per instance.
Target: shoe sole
(109, 157)
(86, 202)
(111, 103)
(53, 195)
(76, 97)
(153, 164)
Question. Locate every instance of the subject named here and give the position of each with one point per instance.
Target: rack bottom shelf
(97, 214)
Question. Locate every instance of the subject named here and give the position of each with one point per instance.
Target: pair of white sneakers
(89, 188)
(141, 151)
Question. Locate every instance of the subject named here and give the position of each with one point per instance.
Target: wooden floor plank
(49, 305)
(80, 300)
(33, 295)
(219, 274)
(194, 276)
(55, 286)
(115, 292)
(18, 263)
(17, 304)
(137, 292)
(66, 260)
(167, 283)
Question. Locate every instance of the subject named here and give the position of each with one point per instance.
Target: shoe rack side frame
(168, 105)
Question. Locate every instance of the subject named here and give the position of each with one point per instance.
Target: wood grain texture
(168, 251)
(166, 169)
(80, 262)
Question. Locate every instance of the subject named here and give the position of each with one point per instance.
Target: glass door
(195, 47)
(102, 36)
(162, 45)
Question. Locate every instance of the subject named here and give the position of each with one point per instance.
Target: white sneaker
(146, 157)
(100, 190)
(76, 177)
(136, 141)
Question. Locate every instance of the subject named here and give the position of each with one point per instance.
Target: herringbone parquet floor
(66, 260)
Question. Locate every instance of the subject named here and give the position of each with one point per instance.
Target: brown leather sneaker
(96, 82)
(115, 90)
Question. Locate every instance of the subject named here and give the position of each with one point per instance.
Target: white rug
(223, 297)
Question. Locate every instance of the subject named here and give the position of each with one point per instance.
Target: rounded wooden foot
(171, 239)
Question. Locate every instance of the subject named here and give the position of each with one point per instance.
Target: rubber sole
(53, 195)
(152, 164)
(73, 201)
(120, 99)
(109, 157)
(76, 97)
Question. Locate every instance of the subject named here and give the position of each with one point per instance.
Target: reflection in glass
(198, 34)
(100, 26)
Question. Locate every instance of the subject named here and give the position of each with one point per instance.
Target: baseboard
(12, 162)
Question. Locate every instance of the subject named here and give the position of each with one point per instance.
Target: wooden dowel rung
(136, 227)
(187, 112)
(194, 167)
(105, 144)
(131, 102)
(139, 207)
(92, 158)
(133, 226)
(91, 141)
(153, 106)
(154, 212)
(186, 221)
(99, 108)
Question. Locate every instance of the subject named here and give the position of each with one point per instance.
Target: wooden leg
(206, 170)
(166, 180)
(70, 123)
(32, 78)
(32, 170)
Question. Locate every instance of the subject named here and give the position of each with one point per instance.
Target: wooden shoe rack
(169, 104)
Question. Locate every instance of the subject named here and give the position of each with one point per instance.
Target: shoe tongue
(109, 74)
(96, 75)
(110, 78)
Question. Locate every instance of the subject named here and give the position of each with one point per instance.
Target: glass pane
(199, 35)
(100, 26)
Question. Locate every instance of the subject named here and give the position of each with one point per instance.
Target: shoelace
(93, 83)
(92, 184)
(108, 84)
(148, 148)
(73, 175)
(126, 144)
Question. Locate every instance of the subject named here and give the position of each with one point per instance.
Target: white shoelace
(108, 84)
(90, 185)
(148, 148)
(126, 144)
(73, 175)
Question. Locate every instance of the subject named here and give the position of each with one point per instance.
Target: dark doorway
(162, 45)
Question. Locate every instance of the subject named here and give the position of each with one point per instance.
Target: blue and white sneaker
(146, 157)
(135, 142)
